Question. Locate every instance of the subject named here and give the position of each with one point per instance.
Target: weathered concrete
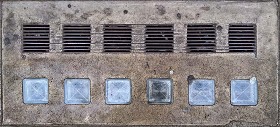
(1, 67)
(96, 66)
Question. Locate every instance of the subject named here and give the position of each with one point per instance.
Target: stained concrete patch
(160, 9)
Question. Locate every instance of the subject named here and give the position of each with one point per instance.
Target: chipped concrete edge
(278, 9)
(157, 0)
(231, 123)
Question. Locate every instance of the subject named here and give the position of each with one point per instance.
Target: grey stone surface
(138, 67)
(1, 95)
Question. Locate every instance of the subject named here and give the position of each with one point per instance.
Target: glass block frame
(114, 94)
(77, 91)
(35, 90)
(157, 94)
(202, 92)
(244, 92)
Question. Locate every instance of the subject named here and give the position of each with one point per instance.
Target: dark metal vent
(201, 38)
(76, 38)
(159, 38)
(242, 38)
(36, 38)
(117, 38)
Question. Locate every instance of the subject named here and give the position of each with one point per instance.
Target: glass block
(35, 91)
(77, 91)
(159, 91)
(118, 91)
(202, 92)
(244, 92)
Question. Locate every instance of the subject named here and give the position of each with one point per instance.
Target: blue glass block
(244, 92)
(202, 92)
(118, 91)
(77, 91)
(35, 91)
(159, 91)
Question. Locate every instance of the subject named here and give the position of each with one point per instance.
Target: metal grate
(36, 38)
(201, 38)
(76, 38)
(242, 38)
(159, 38)
(117, 38)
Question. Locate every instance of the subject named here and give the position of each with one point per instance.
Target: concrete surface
(97, 66)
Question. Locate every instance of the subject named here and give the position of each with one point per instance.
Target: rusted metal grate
(117, 38)
(242, 38)
(201, 38)
(159, 38)
(76, 38)
(36, 38)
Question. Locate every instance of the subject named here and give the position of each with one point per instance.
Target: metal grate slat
(242, 38)
(201, 38)
(76, 38)
(36, 38)
(117, 38)
(159, 38)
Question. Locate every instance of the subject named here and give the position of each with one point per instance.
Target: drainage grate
(76, 38)
(201, 38)
(242, 38)
(117, 38)
(159, 38)
(36, 38)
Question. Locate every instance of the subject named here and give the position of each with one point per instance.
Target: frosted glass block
(77, 91)
(202, 92)
(244, 92)
(159, 91)
(35, 91)
(118, 91)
